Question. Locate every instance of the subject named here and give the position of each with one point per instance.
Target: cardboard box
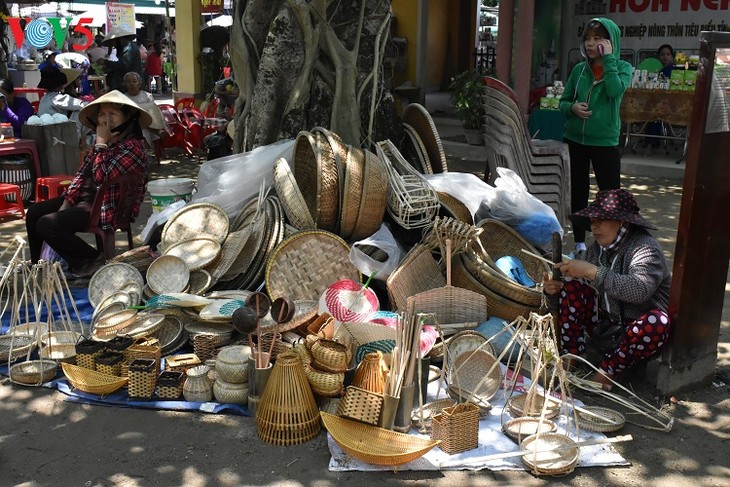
(690, 80)
(544, 102)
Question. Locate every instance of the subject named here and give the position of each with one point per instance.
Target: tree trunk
(301, 64)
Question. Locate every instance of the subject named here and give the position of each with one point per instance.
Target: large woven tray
(196, 253)
(305, 264)
(199, 220)
(114, 277)
(91, 381)
(375, 445)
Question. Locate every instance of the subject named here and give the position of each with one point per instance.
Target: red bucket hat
(613, 204)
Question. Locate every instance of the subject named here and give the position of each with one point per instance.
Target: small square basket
(110, 363)
(361, 405)
(142, 379)
(457, 427)
(170, 384)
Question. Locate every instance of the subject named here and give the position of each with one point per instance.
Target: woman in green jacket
(590, 103)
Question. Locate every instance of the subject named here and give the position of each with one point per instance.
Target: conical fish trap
(287, 414)
(370, 374)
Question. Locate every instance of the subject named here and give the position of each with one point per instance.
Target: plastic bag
(382, 239)
(231, 181)
(515, 206)
(465, 187)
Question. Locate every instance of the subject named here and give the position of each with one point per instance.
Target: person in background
(665, 54)
(49, 60)
(97, 51)
(153, 69)
(133, 89)
(119, 150)
(590, 103)
(56, 100)
(13, 110)
(617, 293)
(128, 54)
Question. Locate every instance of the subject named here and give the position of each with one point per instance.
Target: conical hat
(89, 114)
(116, 33)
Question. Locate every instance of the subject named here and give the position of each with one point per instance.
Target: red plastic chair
(196, 131)
(105, 239)
(184, 103)
(211, 109)
(174, 133)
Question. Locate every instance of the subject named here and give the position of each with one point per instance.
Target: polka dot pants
(642, 339)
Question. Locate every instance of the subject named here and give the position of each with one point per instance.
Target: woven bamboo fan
(305, 264)
(412, 202)
(418, 117)
(375, 445)
(454, 307)
(287, 414)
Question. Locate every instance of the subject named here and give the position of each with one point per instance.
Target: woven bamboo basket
(142, 348)
(330, 355)
(418, 117)
(142, 379)
(499, 239)
(497, 282)
(181, 363)
(332, 172)
(12, 347)
(140, 258)
(326, 384)
(375, 445)
(317, 179)
(457, 427)
(531, 405)
(352, 191)
(455, 208)
(361, 405)
(33, 372)
(605, 420)
(496, 304)
(204, 345)
(110, 363)
(119, 343)
(287, 414)
(545, 462)
(421, 417)
(92, 381)
(374, 198)
(417, 272)
(520, 428)
(170, 384)
(371, 372)
(305, 356)
(291, 196)
(412, 202)
(87, 351)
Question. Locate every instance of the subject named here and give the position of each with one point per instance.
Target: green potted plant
(466, 91)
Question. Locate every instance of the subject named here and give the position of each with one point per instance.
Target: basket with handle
(142, 348)
(323, 383)
(86, 352)
(361, 405)
(417, 272)
(142, 379)
(457, 427)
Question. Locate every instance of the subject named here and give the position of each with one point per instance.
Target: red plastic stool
(51, 187)
(11, 207)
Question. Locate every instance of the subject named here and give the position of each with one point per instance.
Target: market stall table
(669, 107)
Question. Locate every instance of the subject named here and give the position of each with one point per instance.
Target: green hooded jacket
(602, 128)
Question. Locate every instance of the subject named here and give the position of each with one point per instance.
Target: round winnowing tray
(199, 220)
(374, 198)
(418, 151)
(200, 281)
(519, 428)
(169, 332)
(291, 196)
(305, 264)
(121, 297)
(110, 325)
(602, 420)
(144, 324)
(467, 372)
(418, 117)
(274, 239)
(196, 253)
(518, 406)
(351, 197)
(254, 273)
(466, 341)
(545, 457)
(113, 277)
(168, 274)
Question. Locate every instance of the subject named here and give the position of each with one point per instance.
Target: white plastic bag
(465, 187)
(515, 206)
(231, 181)
(383, 240)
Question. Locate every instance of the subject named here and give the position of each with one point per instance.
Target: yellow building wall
(187, 48)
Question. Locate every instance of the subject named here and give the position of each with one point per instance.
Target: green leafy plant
(466, 92)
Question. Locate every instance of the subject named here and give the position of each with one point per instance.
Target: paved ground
(45, 441)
